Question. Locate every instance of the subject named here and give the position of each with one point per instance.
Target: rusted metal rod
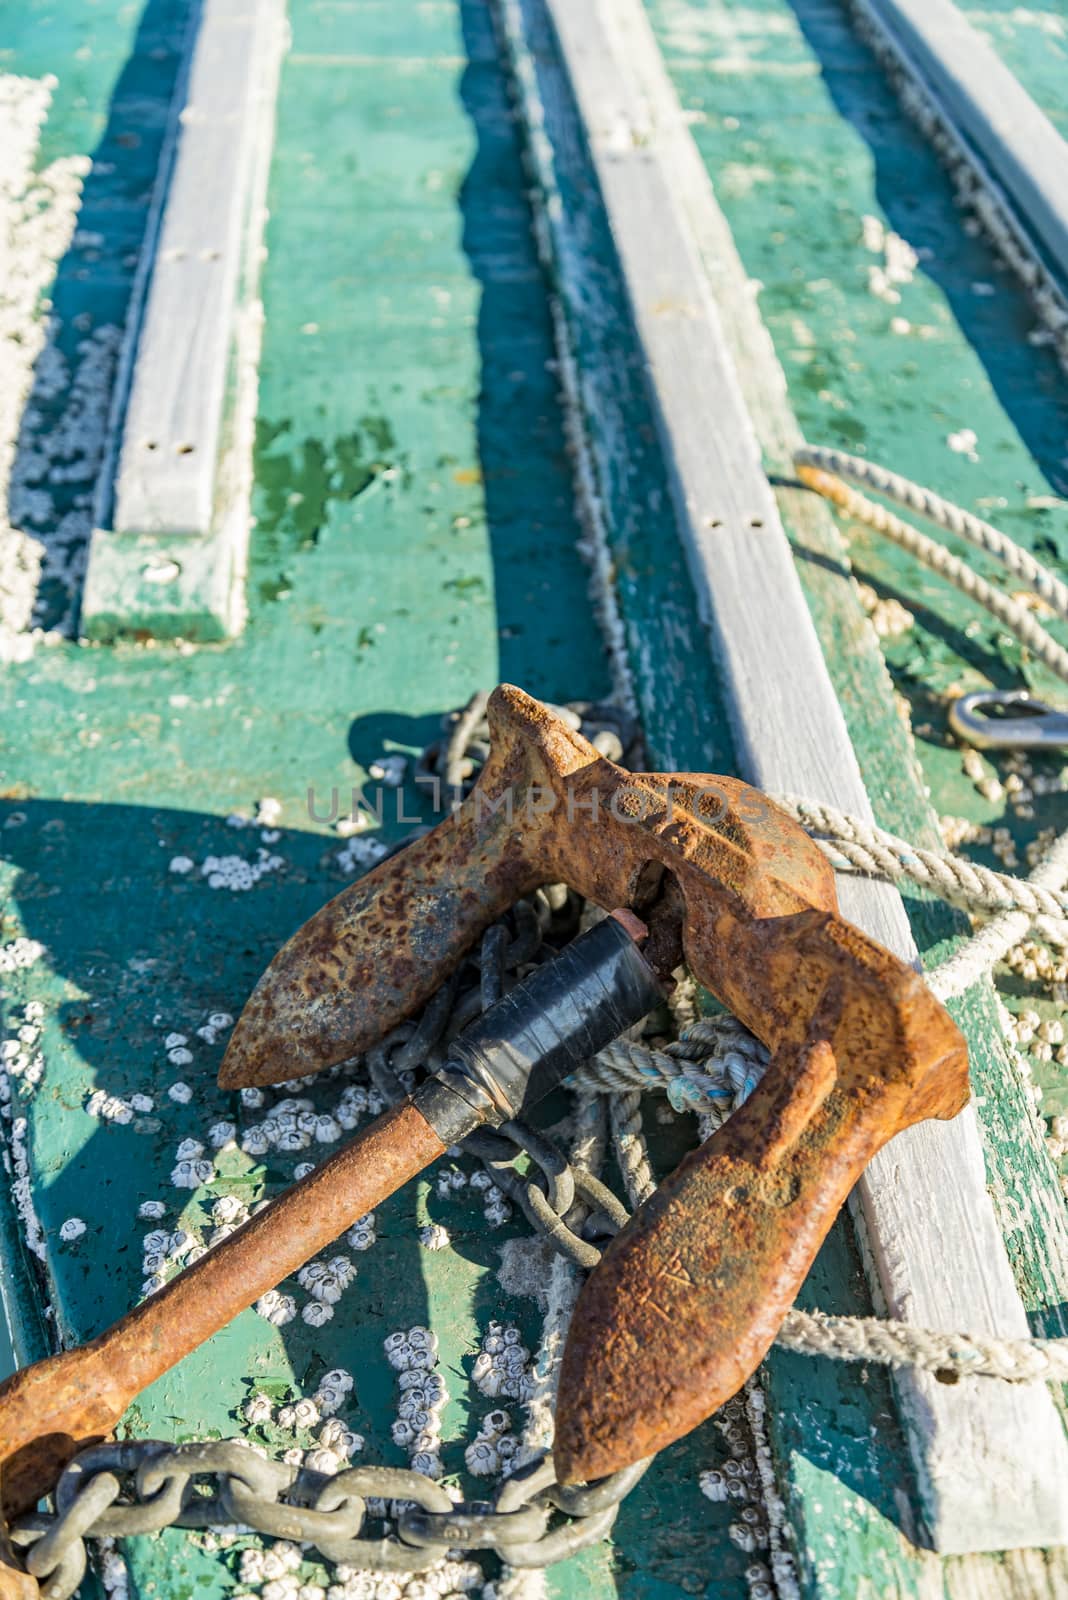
(50, 1411)
(511, 1057)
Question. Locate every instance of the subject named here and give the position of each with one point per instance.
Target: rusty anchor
(722, 879)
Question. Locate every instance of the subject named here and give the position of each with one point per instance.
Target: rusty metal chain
(457, 758)
(121, 1489)
(117, 1490)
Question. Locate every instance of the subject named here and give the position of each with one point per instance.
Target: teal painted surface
(803, 140)
(415, 539)
(7, 1354)
(407, 551)
(1034, 45)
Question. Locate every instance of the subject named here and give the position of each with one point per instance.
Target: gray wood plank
(991, 1463)
(168, 556)
(986, 103)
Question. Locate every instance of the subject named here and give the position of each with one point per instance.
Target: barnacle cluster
(163, 1250)
(413, 1355)
(502, 1366)
(335, 1445)
(294, 1124)
(19, 1054)
(39, 538)
(191, 1167)
(446, 1580)
(276, 1307)
(362, 1235)
(326, 1282)
(18, 954)
(235, 873)
(493, 1452)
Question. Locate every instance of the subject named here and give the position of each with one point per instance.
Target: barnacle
(276, 1307)
(434, 1237)
(317, 1312)
(257, 1409)
(228, 1208)
(502, 1366)
(335, 1436)
(191, 1174)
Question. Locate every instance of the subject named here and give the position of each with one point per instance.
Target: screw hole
(150, 444)
(756, 522)
(184, 449)
(714, 522)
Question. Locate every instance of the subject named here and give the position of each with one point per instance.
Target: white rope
(853, 844)
(915, 497)
(991, 944)
(632, 1152)
(899, 1344)
(1015, 616)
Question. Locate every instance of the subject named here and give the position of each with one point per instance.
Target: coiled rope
(851, 844)
(825, 471)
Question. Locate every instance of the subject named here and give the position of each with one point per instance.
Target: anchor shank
(521, 1048)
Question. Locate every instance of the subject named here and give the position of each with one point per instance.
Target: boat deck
(416, 538)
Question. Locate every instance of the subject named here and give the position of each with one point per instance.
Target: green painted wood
(857, 382)
(169, 550)
(1033, 44)
(405, 552)
(402, 299)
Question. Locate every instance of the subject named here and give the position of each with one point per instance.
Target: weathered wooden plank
(168, 557)
(937, 1251)
(490, 585)
(986, 103)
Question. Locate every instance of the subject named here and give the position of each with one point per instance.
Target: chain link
(140, 1487)
(121, 1489)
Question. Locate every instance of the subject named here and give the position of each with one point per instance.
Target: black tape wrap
(563, 1013)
